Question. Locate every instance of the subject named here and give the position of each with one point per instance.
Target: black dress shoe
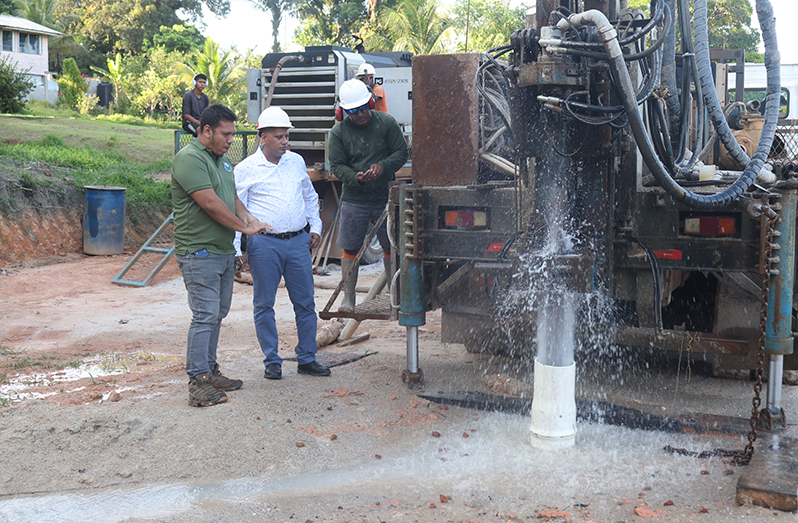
(314, 368)
(273, 371)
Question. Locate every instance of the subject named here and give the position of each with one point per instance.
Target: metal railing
(244, 144)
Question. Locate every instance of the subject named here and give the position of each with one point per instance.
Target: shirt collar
(202, 147)
(262, 160)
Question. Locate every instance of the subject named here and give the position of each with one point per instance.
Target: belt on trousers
(284, 235)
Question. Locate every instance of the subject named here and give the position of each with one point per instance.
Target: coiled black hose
(668, 25)
(658, 15)
(680, 194)
(772, 65)
(669, 74)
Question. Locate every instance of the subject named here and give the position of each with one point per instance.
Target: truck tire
(373, 253)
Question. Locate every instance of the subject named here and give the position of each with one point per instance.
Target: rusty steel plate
(771, 479)
(445, 119)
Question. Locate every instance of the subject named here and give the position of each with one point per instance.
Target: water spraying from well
(553, 422)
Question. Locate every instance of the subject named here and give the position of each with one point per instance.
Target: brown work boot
(202, 393)
(223, 383)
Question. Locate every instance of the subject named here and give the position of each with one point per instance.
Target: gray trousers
(209, 282)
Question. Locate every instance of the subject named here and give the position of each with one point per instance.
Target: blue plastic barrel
(104, 220)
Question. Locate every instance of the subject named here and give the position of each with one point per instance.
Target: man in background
(194, 102)
(365, 73)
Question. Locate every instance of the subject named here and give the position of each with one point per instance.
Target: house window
(8, 43)
(29, 43)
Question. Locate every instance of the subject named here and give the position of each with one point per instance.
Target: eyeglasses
(363, 108)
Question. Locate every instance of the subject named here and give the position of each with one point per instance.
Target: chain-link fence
(785, 143)
(244, 143)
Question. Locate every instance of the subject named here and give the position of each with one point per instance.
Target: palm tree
(418, 26)
(226, 75)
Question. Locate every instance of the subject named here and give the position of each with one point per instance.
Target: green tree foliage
(417, 26)
(729, 26)
(490, 23)
(329, 22)
(71, 84)
(277, 8)
(150, 87)
(6, 7)
(179, 37)
(39, 11)
(115, 73)
(226, 75)
(106, 27)
(121, 25)
(14, 87)
(250, 60)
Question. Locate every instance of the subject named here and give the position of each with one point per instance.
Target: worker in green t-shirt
(207, 212)
(365, 149)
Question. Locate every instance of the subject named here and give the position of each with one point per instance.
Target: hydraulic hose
(669, 73)
(659, 42)
(700, 121)
(772, 65)
(624, 83)
(629, 39)
(642, 95)
(689, 72)
(276, 73)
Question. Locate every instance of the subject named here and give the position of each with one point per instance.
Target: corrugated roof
(23, 24)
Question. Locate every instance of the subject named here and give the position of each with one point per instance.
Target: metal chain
(768, 225)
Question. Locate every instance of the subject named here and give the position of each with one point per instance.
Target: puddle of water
(17, 388)
(494, 460)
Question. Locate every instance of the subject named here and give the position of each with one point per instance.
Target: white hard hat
(353, 93)
(274, 117)
(365, 69)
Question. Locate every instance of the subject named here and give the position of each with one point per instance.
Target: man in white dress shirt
(274, 185)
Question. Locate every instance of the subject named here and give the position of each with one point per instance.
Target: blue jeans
(209, 282)
(271, 259)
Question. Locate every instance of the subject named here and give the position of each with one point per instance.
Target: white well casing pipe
(553, 407)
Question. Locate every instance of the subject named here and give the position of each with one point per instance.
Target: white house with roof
(25, 43)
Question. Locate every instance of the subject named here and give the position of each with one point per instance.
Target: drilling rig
(584, 158)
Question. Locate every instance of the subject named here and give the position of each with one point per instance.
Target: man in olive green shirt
(365, 150)
(207, 212)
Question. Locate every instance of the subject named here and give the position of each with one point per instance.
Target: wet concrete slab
(771, 479)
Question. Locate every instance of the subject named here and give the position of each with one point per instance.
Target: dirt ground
(95, 424)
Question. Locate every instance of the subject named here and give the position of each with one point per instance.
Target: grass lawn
(138, 143)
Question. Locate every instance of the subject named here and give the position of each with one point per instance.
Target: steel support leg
(412, 312)
(775, 372)
(412, 350)
(779, 337)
